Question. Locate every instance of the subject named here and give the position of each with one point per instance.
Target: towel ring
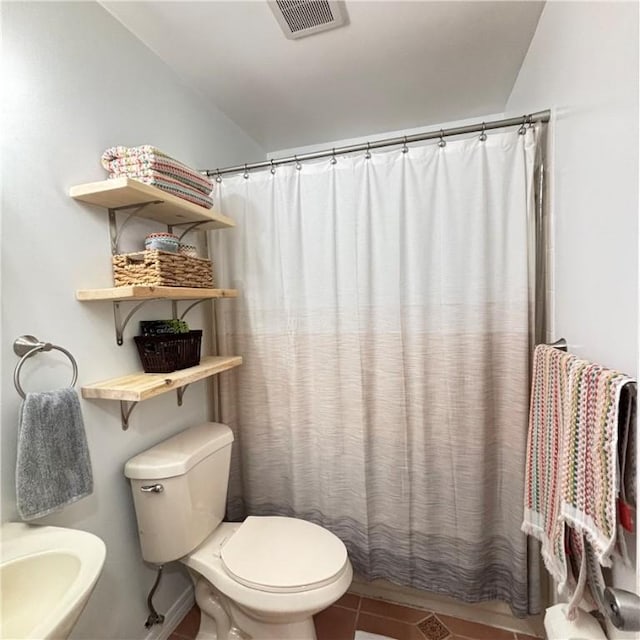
(27, 346)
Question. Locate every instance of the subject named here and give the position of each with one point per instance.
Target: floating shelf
(139, 292)
(125, 193)
(142, 386)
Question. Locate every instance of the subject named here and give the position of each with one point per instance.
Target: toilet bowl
(270, 575)
(263, 578)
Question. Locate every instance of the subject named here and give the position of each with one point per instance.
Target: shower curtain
(385, 318)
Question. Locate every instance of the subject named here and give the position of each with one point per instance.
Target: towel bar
(27, 346)
(559, 344)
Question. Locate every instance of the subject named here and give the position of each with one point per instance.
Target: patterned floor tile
(433, 629)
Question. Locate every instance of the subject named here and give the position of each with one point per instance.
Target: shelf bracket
(120, 324)
(126, 408)
(191, 227)
(114, 231)
(193, 304)
(180, 393)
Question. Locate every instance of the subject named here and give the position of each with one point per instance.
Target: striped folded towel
(548, 413)
(152, 166)
(170, 185)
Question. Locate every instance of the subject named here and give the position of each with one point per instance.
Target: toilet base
(260, 630)
(223, 619)
(584, 627)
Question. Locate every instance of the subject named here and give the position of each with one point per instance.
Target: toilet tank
(180, 490)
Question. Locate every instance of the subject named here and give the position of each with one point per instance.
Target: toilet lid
(283, 554)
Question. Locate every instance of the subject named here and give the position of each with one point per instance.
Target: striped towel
(172, 186)
(581, 428)
(547, 417)
(143, 159)
(591, 481)
(152, 166)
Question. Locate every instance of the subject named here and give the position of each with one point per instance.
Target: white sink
(46, 576)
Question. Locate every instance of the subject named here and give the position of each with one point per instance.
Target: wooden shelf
(168, 209)
(139, 292)
(142, 386)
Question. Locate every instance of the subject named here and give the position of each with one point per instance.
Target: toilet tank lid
(176, 455)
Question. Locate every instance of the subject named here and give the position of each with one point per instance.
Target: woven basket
(163, 354)
(161, 268)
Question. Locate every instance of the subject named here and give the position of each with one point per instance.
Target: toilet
(263, 578)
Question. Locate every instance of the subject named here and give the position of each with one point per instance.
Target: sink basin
(46, 576)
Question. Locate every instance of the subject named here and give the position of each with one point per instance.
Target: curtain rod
(538, 116)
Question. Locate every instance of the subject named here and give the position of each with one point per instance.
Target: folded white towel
(53, 466)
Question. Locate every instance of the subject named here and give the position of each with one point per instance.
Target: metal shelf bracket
(193, 304)
(180, 393)
(114, 231)
(189, 226)
(126, 408)
(120, 324)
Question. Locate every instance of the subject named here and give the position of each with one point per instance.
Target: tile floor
(351, 612)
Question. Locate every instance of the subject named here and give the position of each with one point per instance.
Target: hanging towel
(591, 474)
(627, 458)
(547, 415)
(53, 467)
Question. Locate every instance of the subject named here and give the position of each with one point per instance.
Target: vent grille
(299, 18)
(304, 14)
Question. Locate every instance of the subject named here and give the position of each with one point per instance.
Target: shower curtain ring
(246, 172)
(522, 130)
(405, 149)
(333, 156)
(367, 155)
(273, 169)
(442, 142)
(483, 135)
(218, 176)
(298, 165)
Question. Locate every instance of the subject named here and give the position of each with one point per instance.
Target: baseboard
(172, 618)
(496, 614)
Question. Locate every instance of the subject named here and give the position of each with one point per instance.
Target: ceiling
(396, 65)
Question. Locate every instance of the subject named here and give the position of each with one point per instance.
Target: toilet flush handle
(152, 488)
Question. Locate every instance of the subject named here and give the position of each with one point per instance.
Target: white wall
(77, 82)
(583, 63)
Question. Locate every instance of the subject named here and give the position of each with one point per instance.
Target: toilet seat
(206, 562)
(283, 555)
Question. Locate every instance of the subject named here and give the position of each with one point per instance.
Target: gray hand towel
(53, 467)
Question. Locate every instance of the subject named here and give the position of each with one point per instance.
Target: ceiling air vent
(300, 18)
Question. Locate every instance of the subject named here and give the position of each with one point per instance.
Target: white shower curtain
(385, 320)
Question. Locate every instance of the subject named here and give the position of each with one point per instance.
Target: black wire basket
(169, 352)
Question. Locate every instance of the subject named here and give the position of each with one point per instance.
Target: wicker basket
(169, 352)
(161, 268)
